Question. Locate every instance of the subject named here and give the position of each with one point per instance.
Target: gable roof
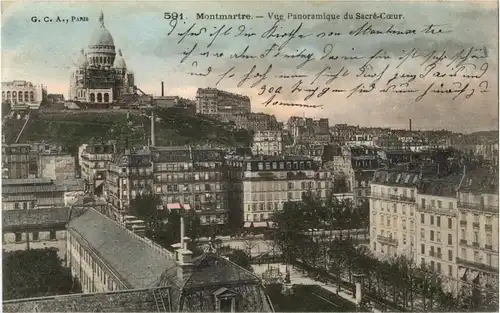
(138, 263)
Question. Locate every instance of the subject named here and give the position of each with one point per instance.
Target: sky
(45, 53)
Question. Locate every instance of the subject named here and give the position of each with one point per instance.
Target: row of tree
(397, 279)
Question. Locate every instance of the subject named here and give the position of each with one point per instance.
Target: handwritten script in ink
(283, 60)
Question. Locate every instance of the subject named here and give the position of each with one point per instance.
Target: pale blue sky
(44, 53)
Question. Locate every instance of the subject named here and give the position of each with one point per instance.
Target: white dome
(120, 61)
(82, 60)
(102, 37)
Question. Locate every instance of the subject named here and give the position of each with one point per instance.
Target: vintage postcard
(249, 156)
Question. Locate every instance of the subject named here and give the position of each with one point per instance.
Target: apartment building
(129, 174)
(268, 142)
(477, 255)
(215, 101)
(266, 183)
(175, 174)
(16, 161)
(57, 166)
(93, 159)
(193, 176)
(437, 222)
(452, 224)
(393, 213)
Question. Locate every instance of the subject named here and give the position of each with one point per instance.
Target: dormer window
(226, 300)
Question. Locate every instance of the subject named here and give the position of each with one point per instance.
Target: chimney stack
(410, 124)
(162, 90)
(185, 266)
(153, 141)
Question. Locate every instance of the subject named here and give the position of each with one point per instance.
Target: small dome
(102, 37)
(82, 60)
(120, 61)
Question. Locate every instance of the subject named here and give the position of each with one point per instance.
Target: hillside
(72, 128)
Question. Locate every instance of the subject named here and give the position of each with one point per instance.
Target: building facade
(16, 161)
(268, 142)
(36, 192)
(100, 76)
(21, 92)
(93, 160)
(449, 223)
(35, 229)
(261, 186)
(215, 101)
(56, 166)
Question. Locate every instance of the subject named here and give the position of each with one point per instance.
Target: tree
(36, 273)
(145, 208)
(241, 258)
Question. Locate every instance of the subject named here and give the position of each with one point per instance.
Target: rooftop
(443, 187)
(13, 219)
(138, 263)
(480, 180)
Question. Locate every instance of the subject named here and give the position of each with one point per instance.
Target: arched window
(14, 94)
(32, 96)
(3, 94)
(8, 95)
(20, 96)
(99, 97)
(100, 60)
(92, 97)
(26, 95)
(106, 97)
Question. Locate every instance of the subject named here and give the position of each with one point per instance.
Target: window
(422, 249)
(450, 270)
(462, 234)
(226, 305)
(438, 236)
(476, 237)
(35, 235)
(432, 235)
(438, 221)
(450, 240)
(450, 255)
(16, 206)
(18, 237)
(439, 252)
(423, 203)
(476, 256)
(432, 219)
(450, 224)
(488, 259)
(52, 235)
(488, 239)
(438, 265)
(450, 205)
(464, 253)
(422, 218)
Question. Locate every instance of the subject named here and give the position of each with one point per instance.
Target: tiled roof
(135, 261)
(70, 185)
(481, 181)
(213, 269)
(26, 181)
(16, 198)
(395, 178)
(13, 219)
(138, 300)
(445, 187)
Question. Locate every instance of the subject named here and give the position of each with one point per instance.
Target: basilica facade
(100, 75)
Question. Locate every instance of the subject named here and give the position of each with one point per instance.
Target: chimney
(162, 90)
(185, 266)
(410, 124)
(152, 128)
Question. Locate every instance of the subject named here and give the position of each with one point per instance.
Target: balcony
(488, 247)
(435, 254)
(398, 198)
(475, 225)
(387, 240)
(477, 207)
(463, 223)
(463, 242)
(434, 209)
(488, 227)
(475, 244)
(477, 266)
